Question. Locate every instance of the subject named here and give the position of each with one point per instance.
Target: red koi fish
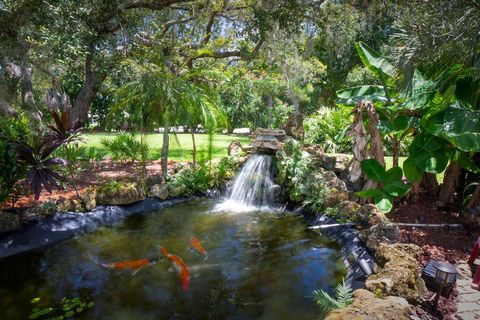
(133, 265)
(180, 268)
(197, 245)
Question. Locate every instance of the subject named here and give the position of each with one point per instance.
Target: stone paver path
(468, 307)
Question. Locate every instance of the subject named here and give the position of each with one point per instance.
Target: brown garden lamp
(445, 274)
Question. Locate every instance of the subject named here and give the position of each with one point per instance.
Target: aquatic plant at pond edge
(343, 297)
(66, 308)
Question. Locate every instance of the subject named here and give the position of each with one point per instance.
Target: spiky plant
(343, 297)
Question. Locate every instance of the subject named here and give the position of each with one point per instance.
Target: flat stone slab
(468, 307)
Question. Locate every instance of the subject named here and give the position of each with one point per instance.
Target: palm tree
(156, 98)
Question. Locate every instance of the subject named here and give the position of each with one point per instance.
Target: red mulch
(103, 172)
(451, 245)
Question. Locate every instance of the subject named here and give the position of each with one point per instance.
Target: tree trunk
(194, 151)
(395, 150)
(91, 85)
(9, 81)
(270, 110)
(429, 184)
(450, 183)
(165, 146)
(375, 136)
(474, 201)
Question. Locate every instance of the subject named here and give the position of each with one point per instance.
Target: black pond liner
(354, 253)
(62, 226)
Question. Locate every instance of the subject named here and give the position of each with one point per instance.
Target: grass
(180, 146)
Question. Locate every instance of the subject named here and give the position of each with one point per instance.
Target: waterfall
(253, 188)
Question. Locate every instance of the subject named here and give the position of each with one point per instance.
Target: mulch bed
(451, 245)
(105, 171)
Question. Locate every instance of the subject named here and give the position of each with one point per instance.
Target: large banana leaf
(375, 62)
(457, 124)
(351, 96)
(421, 93)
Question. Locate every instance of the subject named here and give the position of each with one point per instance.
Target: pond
(260, 265)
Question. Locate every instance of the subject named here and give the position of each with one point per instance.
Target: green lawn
(180, 146)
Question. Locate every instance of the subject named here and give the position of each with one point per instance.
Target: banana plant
(391, 184)
(386, 97)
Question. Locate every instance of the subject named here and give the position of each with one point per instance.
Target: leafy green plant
(301, 178)
(343, 297)
(328, 127)
(391, 184)
(11, 169)
(96, 155)
(125, 146)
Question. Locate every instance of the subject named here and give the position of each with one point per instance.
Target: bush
(328, 127)
(207, 175)
(302, 180)
(125, 146)
(11, 169)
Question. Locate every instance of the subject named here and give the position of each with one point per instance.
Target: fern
(327, 303)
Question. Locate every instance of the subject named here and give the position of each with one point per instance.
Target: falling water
(253, 188)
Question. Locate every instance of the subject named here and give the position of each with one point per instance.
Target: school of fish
(176, 263)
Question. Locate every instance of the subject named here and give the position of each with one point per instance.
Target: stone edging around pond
(61, 226)
(353, 250)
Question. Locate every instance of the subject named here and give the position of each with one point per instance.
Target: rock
(334, 197)
(235, 148)
(369, 214)
(348, 209)
(397, 272)
(338, 163)
(293, 126)
(89, 196)
(159, 190)
(268, 140)
(154, 179)
(124, 193)
(9, 222)
(332, 181)
(366, 306)
(384, 232)
(41, 211)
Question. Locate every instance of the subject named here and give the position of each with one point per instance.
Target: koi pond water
(260, 265)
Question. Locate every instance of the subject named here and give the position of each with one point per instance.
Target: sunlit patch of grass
(180, 144)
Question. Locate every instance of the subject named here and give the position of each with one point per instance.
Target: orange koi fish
(197, 245)
(133, 265)
(179, 266)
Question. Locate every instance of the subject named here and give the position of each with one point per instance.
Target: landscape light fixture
(445, 273)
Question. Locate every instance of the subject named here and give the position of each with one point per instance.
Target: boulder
(332, 181)
(338, 163)
(159, 190)
(397, 272)
(383, 232)
(126, 193)
(334, 197)
(41, 210)
(369, 214)
(88, 202)
(293, 126)
(366, 306)
(9, 222)
(235, 148)
(348, 210)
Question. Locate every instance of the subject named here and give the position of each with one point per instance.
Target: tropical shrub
(328, 127)
(391, 184)
(343, 297)
(301, 179)
(11, 169)
(125, 146)
(206, 175)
